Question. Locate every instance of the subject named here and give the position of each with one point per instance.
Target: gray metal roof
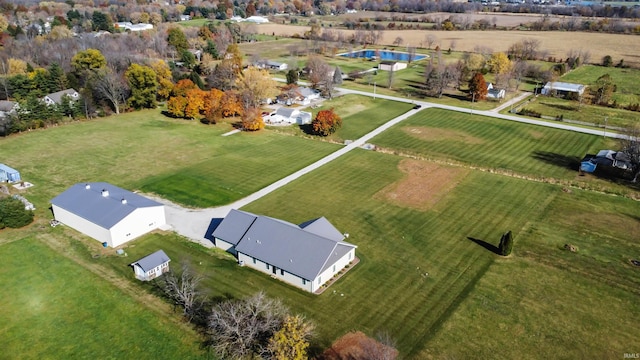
(57, 96)
(287, 246)
(6, 105)
(234, 226)
(563, 86)
(322, 227)
(87, 201)
(8, 169)
(153, 260)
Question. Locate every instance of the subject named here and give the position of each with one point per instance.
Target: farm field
(54, 308)
(618, 46)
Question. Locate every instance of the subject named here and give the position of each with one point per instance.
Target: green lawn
(542, 300)
(549, 302)
(361, 114)
(54, 309)
(147, 151)
(481, 141)
(626, 81)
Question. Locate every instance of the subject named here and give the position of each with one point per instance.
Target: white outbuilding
(107, 213)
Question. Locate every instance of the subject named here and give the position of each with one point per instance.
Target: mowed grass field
(52, 308)
(149, 152)
(490, 143)
(424, 231)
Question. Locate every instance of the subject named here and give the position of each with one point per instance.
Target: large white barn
(107, 213)
(306, 256)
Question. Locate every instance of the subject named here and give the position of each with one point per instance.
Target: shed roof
(152, 260)
(87, 201)
(8, 169)
(303, 251)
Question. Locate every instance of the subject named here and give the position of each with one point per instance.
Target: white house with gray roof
(56, 97)
(306, 255)
(151, 266)
(107, 213)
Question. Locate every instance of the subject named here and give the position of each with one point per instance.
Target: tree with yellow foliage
(16, 67)
(164, 78)
(499, 63)
(195, 103)
(212, 105)
(231, 104)
(252, 120)
(255, 85)
(292, 340)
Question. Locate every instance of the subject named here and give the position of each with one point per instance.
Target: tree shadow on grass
(494, 249)
(561, 160)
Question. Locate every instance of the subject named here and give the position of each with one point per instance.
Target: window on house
(268, 267)
(349, 256)
(334, 268)
(254, 260)
(304, 282)
(319, 280)
(281, 272)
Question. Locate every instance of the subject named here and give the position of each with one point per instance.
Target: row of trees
(252, 327)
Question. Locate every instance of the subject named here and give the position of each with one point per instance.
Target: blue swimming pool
(383, 55)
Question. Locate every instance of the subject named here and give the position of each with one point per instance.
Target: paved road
(193, 223)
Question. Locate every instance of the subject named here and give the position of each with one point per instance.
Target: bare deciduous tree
(112, 87)
(382, 349)
(318, 71)
(630, 145)
(430, 40)
(183, 290)
(242, 328)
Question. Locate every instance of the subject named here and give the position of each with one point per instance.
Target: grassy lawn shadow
(561, 160)
(484, 244)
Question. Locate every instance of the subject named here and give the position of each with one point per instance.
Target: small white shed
(151, 266)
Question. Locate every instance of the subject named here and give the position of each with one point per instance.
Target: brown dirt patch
(423, 185)
(357, 346)
(433, 134)
(536, 134)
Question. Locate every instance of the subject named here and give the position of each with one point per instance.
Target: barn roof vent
(105, 192)
(87, 186)
(124, 201)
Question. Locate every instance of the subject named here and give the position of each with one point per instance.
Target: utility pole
(604, 134)
(473, 100)
(374, 91)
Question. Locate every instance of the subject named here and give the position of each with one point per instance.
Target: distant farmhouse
(127, 26)
(151, 266)
(271, 65)
(56, 97)
(306, 255)
(291, 116)
(251, 19)
(562, 88)
(495, 93)
(107, 213)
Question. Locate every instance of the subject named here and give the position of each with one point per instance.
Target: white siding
(138, 223)
(287, 277)
(82, 225)
(225, 246)
(339, 265)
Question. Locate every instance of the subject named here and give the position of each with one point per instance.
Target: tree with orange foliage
(252, 120)
(182, 87)
(195, 103)
(231, 104)
(326, 123)
(478, 87)
(212, 105)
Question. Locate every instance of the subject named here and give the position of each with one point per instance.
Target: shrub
(506, 244)
(529, 112)
(13, 214)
